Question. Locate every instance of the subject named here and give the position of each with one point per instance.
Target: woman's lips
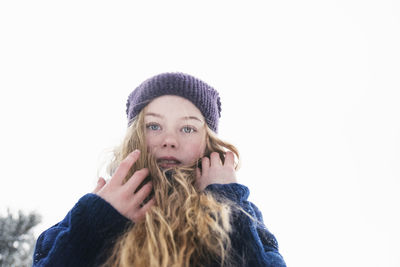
(168, 162)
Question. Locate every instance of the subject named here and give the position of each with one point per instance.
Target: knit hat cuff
(203, 96)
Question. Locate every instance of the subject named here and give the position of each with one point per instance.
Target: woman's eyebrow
(154, 115)
(192, 118)
(182, 118)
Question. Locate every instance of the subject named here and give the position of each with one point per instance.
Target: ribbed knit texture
(202, 95)
(87, 234)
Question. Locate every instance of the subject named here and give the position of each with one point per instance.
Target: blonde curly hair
(185, 227)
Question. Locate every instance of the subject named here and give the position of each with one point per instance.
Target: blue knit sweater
(88, 233)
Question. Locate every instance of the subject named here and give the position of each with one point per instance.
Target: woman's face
(175, 131)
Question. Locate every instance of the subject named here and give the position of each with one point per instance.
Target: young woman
(173, 198)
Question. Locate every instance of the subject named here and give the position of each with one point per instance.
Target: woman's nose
(170, 141)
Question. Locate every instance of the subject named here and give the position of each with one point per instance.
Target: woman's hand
(214, 172)
(121, 195)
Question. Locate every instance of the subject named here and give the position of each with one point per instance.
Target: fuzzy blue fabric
(89, 231)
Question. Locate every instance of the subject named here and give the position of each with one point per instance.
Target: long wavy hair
(185, 227)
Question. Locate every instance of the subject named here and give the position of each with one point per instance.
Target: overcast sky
(310, 95)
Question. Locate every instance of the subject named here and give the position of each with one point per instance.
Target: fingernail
(134, 152)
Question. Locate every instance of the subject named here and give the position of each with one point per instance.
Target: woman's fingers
(215, 159)
(205, 164)
(147, 206)
(136, 179)
(214, 171)
(141, 195)
(124, 167)
(121, 195)
(139, 214)
(100, 183)
(198, 173)
(229, 159)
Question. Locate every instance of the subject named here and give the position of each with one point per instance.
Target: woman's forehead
(173, 106)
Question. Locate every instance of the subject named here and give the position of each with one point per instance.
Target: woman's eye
(188, 129)
(153, 127)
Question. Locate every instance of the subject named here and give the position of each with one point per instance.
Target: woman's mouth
(166, 163)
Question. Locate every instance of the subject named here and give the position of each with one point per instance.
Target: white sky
(310, 95)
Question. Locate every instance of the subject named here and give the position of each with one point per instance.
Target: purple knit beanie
(203, 96)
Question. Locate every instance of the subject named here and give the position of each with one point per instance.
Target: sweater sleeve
(252, 241)
(81, 238)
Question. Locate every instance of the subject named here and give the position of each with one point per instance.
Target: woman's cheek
(151, 144)
(196, 150)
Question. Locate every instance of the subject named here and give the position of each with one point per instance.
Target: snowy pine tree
(16, 238)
